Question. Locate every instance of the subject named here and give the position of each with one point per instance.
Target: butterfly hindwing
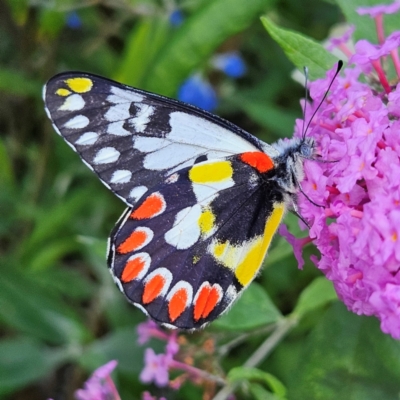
(188, 248)
(133, 139)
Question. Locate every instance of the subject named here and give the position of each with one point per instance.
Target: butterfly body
(204, 197)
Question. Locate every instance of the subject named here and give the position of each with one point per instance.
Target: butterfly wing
(133, 139)
(189, 247)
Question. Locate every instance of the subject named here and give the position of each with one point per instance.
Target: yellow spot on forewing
(227, 253)
(63, 92)
(251, 262)
(206, 221)
(79, 85)
(219, 249)
(211, 172)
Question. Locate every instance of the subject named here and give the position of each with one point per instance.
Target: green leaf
(279, 120)
(23, 361)
(240, 374)
(260, 393)
(317, 294)
(347, 357)
(301, 50)
(26, 307)
(121, 345)
(198, 38)
(6, 169)
(18, 84)
(253, 309)
(143, 43)
(52, 222)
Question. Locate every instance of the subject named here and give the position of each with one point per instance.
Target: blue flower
(198, 92)
(73, 20)
(230, 63)
(176, 17)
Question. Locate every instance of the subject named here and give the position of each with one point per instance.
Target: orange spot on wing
(153, 288)
(177, 304)
(133, 242)
(258, 160)
(207, 299)
(152, 206)
(132, 269)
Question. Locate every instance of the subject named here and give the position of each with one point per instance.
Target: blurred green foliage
(60, 314)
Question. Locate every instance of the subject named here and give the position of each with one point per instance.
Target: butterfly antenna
(303, 132)
(339, 67)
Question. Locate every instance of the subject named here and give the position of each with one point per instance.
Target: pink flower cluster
(357, 131)
(100, 385)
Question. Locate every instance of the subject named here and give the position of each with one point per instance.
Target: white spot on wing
(200, 132)
(186, 230)
(77, 122)
(174, 157)
(119, 96)
(189, 138)
(137, 192)
(74, 102)
(205, 193)
(149, 144)
(116, 128)
(87, 138)
(121, 176)
(118, 112)
(106, 155)
(142, 118)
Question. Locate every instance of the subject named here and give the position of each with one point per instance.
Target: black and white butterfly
(204, 197)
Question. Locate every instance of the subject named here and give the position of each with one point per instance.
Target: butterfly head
(292, 154)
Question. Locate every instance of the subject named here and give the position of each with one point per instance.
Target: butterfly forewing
(133, 139)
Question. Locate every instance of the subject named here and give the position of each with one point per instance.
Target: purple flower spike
(356, 228)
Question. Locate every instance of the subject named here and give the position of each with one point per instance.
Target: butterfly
(204, 197)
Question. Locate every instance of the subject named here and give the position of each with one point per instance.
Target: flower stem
(282, 328)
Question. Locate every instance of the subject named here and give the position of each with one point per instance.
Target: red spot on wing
(132, 269)
(208, 297)
(258, 160)
(177, 304)
(133, 242)
(153, 288)
(152, 206)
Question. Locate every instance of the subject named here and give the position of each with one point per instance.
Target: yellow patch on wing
(245, 259)
(206, 221)
(63, 92)
(211, 172)
(251, 262)
(79, 85)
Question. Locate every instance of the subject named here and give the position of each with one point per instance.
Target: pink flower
(380, 9)
(357, 226)
(147, 396)
(297, 244)
(100, 385)
(156, 368)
